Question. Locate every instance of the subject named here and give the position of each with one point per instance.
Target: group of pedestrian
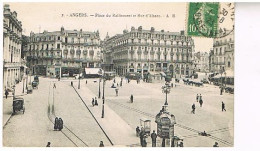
(58, 124)
(141, 134)
(94, 102)
(199, 99)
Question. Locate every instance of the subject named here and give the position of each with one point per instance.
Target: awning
(93, 71)
(163, 74)
(229, 74)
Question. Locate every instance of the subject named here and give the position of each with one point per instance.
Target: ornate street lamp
(166, 89)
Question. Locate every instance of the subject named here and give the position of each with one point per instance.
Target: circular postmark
(214, 20)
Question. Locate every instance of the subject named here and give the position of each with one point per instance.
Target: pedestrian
(144, 141)
(132, 98)
(101, 144)
(216, 144)
(54, 85)
(121, 83)
(48, 144)
(93, 102)
(60, 124)
(197, 97)
(200, 97)
(193, 108)
(221, 90)
(6, 93)
(201, 102)
(128, 80)
(96, 103)
(56, 123)
(181, 144)
(71, 83)
(86, 81)
(116, 91)
(114, 80)
(153, 136)
(172, 85)
(137, 131)
(223, 106)
(141, 135)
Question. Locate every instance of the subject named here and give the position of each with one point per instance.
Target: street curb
(7, 120)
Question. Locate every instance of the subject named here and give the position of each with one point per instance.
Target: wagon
(145, 126)
(18, 105)
(35, 84)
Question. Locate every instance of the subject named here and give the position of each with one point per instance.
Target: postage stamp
(210, 19)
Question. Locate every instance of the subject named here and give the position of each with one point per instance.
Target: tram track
(180, 125)
(110, 141)
(67, 132)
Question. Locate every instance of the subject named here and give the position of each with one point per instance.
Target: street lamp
(103, 97)
(225, 79)
(99, 88)
(14, 92)
(79, 79)
(26, 80)
(23, 85)
(166, 89)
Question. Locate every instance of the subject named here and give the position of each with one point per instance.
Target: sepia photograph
(84, 74)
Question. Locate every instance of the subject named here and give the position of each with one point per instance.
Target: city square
(118, 110)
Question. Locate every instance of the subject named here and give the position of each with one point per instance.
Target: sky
(38, 17)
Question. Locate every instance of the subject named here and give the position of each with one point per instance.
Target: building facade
(12, 36)
(201, 62)
(222, 55)
(149, 51)
(63, 52)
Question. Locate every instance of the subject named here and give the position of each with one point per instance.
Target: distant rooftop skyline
(38, 17)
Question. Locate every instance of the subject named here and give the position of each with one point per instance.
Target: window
(58, 37)
(58, 46)
(229, 64)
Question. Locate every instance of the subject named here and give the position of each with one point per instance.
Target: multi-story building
(12, 34)
(201, 62)
(63, 52)
(149, 51)
(222, 58)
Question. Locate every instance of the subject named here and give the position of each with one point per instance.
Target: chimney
(182, 32)
(152, 29)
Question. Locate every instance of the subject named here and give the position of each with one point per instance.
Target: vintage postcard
(118, 74)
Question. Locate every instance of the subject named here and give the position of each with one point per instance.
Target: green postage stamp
(203, 19)
(210, 19)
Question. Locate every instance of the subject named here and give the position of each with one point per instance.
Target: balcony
(12, 64)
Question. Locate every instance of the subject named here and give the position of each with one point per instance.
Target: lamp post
(14, 92)
(79, 79)
(166, 89)
(26, 81)
(99, 88)
(225, 79)
(103, 97)
(23, 85)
